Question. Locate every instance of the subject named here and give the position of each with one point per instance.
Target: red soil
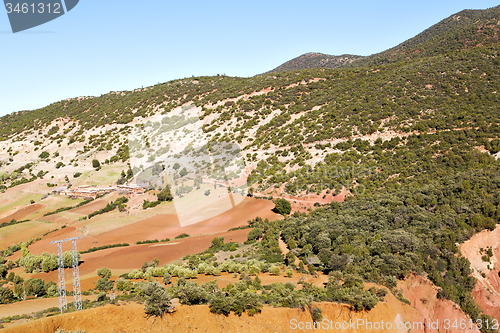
(303, 203)
(34, 305)
(56, 218)
(132, 257)
(90, 207)
(130, 318)
(425, 309)
(23, 212)
(163, 226)
(487, 289)
(422, 294)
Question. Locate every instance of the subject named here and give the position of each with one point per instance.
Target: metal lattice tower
(77, 296)
(61, 284)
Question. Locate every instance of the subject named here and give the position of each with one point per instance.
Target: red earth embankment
(130, 318)
(422, 294)
(425, 314)
(487, 289)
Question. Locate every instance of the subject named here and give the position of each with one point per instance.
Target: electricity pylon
(77, 296)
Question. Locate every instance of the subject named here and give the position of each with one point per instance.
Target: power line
(77, 296)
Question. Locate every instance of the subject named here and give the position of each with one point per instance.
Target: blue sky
(103, 46)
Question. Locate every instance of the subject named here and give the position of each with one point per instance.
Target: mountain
(466, 29)
(316, 60)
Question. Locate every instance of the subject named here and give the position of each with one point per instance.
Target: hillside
(388, 168)
(316, 60)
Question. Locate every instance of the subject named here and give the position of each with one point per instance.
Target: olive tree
(157, 300)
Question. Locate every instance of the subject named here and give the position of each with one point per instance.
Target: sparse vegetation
(118, 203)
(103, 247)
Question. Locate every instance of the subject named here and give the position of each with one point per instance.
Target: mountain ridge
(470, 27)
(316, 60)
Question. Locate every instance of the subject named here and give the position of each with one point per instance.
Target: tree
(183, 172)
(165, 194)
(104, 285)
(275, 270)
(191, 294)
(104, 273)
(197, 182)
(3, 271)
(157, 300)
(255, 234)
(282, 206)
(246, 301)
(290, 258)
(166, 278)
(207, 193)
(37, 287)
(95, 164)
(44, 155)
(5, 295)
(220, 303)
(316, 314)
(217, 242)
(52, 291)
(123, 285)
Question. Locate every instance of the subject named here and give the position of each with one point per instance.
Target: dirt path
(284, 249)
(34, 305)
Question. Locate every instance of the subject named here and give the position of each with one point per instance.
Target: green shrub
(282, 206)
(157, 301)
(316, 314)
(183, 235)
(44, 155)
(275, 270)
(166, 278)
(220, 303)
(104, 273)
(103, 285)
